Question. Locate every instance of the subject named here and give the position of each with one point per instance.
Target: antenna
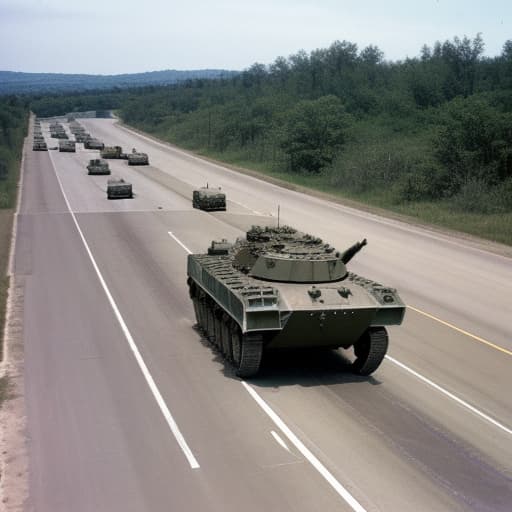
(278, 214)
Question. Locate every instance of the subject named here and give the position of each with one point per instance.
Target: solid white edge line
(138, 357)
(450, 395)
(279, 440)
(312, 459)
(178, 241)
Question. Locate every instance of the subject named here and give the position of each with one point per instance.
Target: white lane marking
(138, 357)
(279, 440)
(179, 242)
(354, 504)
(450, 395)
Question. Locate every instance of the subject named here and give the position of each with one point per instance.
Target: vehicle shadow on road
(307, 368)
(296, 367)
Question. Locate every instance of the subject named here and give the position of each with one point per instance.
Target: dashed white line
(173, 426)
(279, 440)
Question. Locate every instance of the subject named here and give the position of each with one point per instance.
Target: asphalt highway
(129, 409)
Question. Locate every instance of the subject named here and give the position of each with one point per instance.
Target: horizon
(54, 36)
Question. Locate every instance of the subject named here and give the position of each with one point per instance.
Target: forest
(421, 136)
(13, 129)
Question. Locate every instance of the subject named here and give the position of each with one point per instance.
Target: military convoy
(117, 188)
(209, 199)
(97, 166)
(136, 158)
(282, 289)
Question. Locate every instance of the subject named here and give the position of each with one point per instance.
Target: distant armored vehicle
(59, 135)
(136, 158)
(82, 137)
(112, 152)
(209, 199)
(282, 289)
(93, 144)
(98, 166)
(67, 146)
(117, 188)
(39, 146)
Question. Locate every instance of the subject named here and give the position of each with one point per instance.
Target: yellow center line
(462, 331)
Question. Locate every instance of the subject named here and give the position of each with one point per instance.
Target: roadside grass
(5, 389)
(6, 219)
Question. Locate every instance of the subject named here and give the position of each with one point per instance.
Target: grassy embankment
(368, 144)
(11, 145)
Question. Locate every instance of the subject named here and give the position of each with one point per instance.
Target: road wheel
(226, 343)
(217, 327)
(370, 350)
(247, 352)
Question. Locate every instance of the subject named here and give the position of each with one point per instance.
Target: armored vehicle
(93, 144)
(67, 146)
(39, 146)
(59, 135)
(136, 158)
(282, 289)
(98, 166)
(209, 199)
(82, 137)
(117, 188)
(112, 152)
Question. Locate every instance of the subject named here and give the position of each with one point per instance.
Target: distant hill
(13, 82)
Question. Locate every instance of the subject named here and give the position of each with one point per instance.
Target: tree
(314, 132)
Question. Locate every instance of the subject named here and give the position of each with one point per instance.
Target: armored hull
(119, 189)
(282, 289)
(209, 199)
(39, 146)
(67, 146)
(112, 152)
(93, 144)
(98, 167)
(136, 158)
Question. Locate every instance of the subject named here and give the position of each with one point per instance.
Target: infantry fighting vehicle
(39, 146)
(282, 289)
(136, 158)
(209, 199)
(112, 152)
(98, 166)
(117, 188)
(67, 146)
(93, 144)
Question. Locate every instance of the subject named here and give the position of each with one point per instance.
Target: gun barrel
(352, 251)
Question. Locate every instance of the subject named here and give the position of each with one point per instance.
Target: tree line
(13, 128)
(437, 127)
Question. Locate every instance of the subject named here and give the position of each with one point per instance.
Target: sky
(102, 37)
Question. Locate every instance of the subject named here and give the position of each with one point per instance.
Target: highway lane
(391, 440)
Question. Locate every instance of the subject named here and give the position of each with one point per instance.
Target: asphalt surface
(431, 430)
